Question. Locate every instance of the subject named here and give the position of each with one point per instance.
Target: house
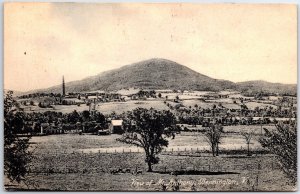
(50, 128)
(116, 126)
(223, 96)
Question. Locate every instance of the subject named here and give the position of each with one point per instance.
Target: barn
(116, 126)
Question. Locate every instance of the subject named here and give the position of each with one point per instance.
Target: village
(68, 126)
(150, 97)
(101, 113)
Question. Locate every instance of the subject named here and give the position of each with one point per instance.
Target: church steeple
(63, 87)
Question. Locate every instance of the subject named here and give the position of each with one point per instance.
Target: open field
(92, 172)
(201, 104)
(186, 140)
(186, 99)
(105, 108)
(120, 107)
(253, 105)
(58, 108)
(62, 170)
(184, 96)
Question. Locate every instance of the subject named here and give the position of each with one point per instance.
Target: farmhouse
(116, 126)
(50, 128)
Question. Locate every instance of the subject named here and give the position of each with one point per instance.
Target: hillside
(149, 74)
(259, 85)
(15, 92)
(161, 74)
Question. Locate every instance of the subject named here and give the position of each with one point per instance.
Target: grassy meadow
(74, 162)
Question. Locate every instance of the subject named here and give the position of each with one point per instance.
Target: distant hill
(259, 85)
(157, 74)
(15, 92)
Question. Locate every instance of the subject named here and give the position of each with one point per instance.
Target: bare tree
(248, 137)
(213, 136)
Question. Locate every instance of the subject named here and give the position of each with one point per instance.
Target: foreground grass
(60, 165)
(79, 172)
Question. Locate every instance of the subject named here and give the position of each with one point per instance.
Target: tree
(148, 129)
(159, 95)
(73, 117)
(99, 118)
(283, 143)
(40, 105)
(85, 115)
(248, 137)
(213, 136)
(16, 154)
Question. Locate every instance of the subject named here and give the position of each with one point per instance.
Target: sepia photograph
(150, 97)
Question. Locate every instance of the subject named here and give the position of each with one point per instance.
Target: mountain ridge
(158, 73)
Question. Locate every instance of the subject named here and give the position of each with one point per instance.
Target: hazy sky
(236, 42)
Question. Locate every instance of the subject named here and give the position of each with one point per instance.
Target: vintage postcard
(150, 97)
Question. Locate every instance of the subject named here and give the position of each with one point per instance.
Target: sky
(236, 42)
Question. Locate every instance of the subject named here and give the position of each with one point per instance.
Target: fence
(64, 157)
(203, 149)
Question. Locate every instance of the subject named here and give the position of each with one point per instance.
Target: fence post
(272, 166)
(115, 151)
(130, 150)
(172, 150)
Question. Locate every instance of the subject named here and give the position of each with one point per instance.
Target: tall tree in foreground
(148, 129)
(213, 136)
(283, 143)
(16, 154)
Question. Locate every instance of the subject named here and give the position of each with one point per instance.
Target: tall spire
(63, 87)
